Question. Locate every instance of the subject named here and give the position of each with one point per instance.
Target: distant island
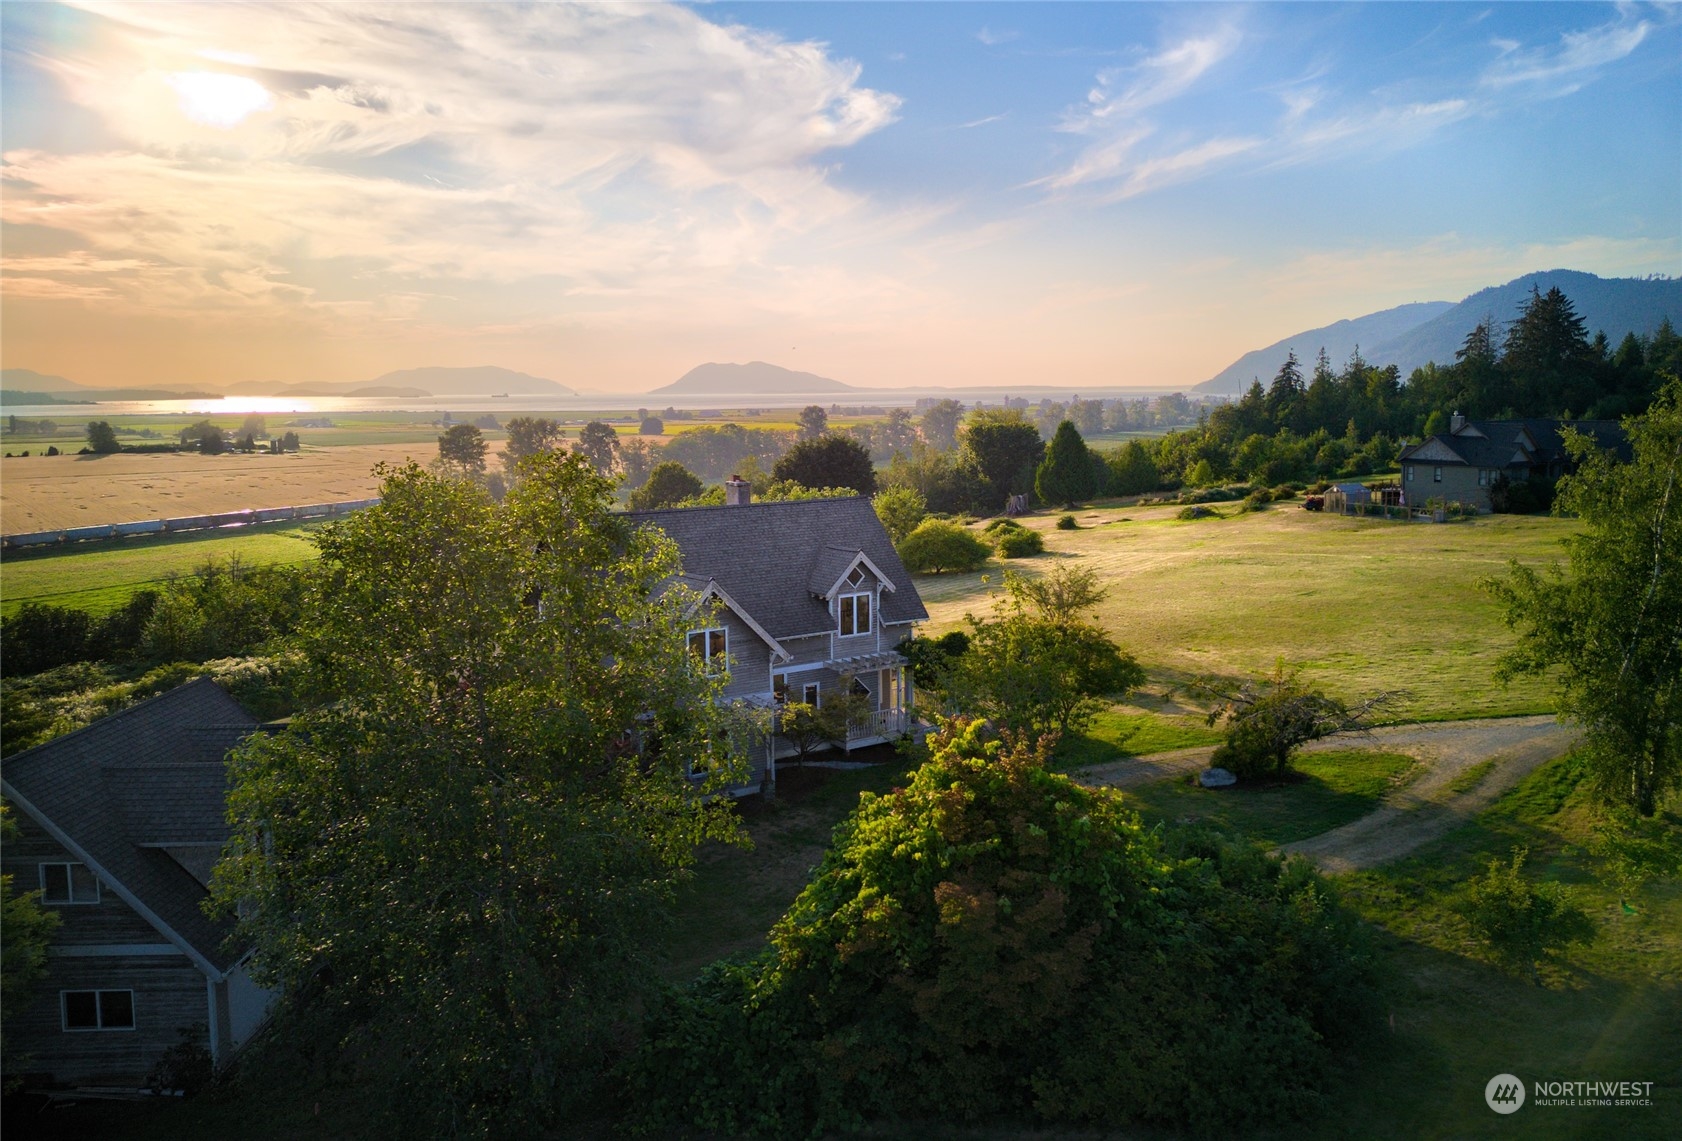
(479, 380)
(756, 378)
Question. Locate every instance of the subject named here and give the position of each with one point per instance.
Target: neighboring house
(119, 826)
(1461, 465)
(813, 602)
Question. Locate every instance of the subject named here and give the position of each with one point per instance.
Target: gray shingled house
(1462, 464)
(119, 826)
(813, 602)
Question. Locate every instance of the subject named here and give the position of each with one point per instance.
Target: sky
(1085, 195)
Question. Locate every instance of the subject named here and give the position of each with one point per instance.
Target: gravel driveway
(1413, 815)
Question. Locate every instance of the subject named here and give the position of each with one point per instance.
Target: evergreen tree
(1548, 356)
(1065, 475)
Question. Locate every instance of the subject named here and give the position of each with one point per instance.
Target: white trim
(713, 589)
(111, 950)
(70, 899)
(861, 557)
(110, 881)
(841, 601)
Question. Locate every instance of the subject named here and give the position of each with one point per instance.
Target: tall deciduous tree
(1065, 475)
(828, 461)
(462, 448)
(940, 424)
(814, 422)
(599, 444)
(102, 438)
(527, 436)
(453, 864)
(1611, 620)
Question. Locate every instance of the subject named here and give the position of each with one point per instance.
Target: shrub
(1020, 543)
(900, 509)
(1521, 924)
(937, 546)
(994, 940)
(1198, 511)
(1257, 500)
(1067, 523)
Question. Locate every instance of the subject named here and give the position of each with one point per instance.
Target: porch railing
(878, 723)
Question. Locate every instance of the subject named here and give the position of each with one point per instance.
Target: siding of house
(169, 991)
(750, 657)
(1459, 484)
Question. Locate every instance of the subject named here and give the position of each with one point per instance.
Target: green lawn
(1329, 790)
(1360, 605)
(101, 578)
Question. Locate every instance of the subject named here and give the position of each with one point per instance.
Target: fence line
(183, 524)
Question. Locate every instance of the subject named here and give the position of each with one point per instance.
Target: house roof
(141, 798)
(1513, 443)
(769, 556)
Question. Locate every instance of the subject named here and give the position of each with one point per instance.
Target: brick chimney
(738, 492)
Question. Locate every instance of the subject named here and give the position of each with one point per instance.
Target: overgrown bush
(937, 546)
(1067, 523)
(1521, 923)
(1019, 543)
(1257, 500)
(995, 941)
(1198, 511)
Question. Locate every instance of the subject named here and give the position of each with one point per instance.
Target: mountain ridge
(756, 378)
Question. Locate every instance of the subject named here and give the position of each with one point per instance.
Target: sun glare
(218, 99)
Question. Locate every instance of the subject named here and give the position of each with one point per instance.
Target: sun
(218, 99)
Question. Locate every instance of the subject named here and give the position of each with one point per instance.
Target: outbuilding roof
(768, 556)
(141, 798)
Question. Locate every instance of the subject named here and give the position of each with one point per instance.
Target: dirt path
(1427, 807)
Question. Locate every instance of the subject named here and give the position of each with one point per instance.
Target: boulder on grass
(1216, 778)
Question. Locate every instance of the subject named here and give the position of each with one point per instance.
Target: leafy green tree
(289, 442)
(714, 451)
(813, 421)
(205, 436)
(829, 461)
(937, 546)
(1004, 450)
(1133, 470)
(462, 448)
(599, 444)
(1065, 475)
(1611, 619)
(29, 928)
(102, 438)
(454, 864)
(810, 728)
(994, 941)
(651, 426)
(527, 436)
(900, 509)
(668, 485)
(940, 424)
(1038, 665)
(1522, 924)
(1269, 719)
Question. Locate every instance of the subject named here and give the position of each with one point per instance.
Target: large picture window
(711, 647)
(68, 883)
(855, 614)
(98, 1009)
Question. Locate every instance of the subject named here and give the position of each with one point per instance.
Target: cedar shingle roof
(127, 786)
(767, 555)
(1502, 443)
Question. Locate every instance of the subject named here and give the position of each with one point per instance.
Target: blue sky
(1084, 194)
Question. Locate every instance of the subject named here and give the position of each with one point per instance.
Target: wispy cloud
(1125, 91)
(982, 122)
(994, 38)
(1563, 67)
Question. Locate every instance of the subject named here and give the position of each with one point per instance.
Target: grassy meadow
(1360, 605)
(100, 578)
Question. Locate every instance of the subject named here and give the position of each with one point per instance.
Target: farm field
(1361, 605)
(99, 579)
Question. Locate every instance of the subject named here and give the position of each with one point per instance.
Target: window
(1436, 475)
(68, 883)
(1410, 473)
(855, 614)
(779, 689)
(98, 1009)
(809, 693)
(711, 647)
(1483, 477)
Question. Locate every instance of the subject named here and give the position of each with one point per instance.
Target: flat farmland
(40, 493)
(1362, 606)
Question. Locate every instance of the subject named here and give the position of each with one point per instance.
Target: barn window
(97, 1009)
(68, 883)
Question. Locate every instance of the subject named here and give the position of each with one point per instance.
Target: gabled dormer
(850, 585)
